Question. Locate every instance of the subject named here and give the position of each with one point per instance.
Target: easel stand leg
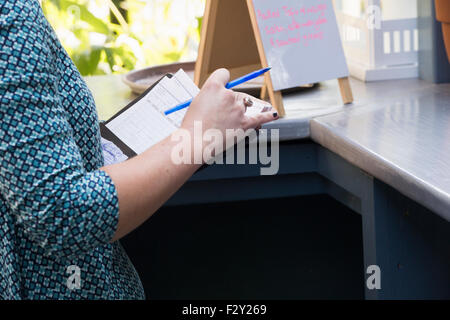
(276, 99)
(346, 90)
(264, 94)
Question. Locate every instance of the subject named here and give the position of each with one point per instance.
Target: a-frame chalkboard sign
(299, 39)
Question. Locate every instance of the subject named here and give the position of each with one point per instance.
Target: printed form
(144, 124)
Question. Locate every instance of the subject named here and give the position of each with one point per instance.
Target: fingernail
(275, 114)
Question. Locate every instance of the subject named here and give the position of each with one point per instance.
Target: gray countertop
(397, 131)
(401, 137)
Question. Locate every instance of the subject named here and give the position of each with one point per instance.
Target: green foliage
(80, 27)
(152, 35)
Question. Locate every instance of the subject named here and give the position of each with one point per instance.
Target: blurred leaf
(83, 36)
(148, 39)
(199, 25)
(120, 58)
(87, 61)
(174, 56)
(55, 3)
(110, 58)
(96, 24)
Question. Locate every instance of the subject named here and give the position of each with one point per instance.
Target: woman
(61, 210)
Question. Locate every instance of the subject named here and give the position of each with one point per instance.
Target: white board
(301, 41)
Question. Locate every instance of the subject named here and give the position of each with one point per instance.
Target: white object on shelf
(378, 49)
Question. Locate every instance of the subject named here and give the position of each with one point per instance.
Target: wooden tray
(140, 80)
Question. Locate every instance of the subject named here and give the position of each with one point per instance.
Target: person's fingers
(258, 119)
(256, 101)
(240, 98)
(220, 77)
(248, 102)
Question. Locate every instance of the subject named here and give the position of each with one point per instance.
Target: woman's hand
(219, 108)
(146, 181)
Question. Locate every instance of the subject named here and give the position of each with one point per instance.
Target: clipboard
(110, 136)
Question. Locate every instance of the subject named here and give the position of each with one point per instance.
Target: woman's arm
(145, 182)
(48, 191)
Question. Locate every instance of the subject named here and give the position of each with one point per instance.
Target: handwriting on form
(304, 25)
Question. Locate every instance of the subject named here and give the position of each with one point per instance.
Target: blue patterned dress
(58, 211)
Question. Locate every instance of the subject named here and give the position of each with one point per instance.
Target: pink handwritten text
(303, 26)
(269, 14)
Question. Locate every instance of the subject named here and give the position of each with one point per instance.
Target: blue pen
(229, 85)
